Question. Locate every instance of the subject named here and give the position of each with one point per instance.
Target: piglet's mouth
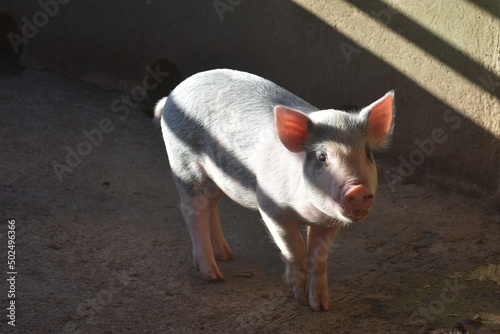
(355, 214)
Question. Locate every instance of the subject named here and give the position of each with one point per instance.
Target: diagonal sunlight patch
(456, 28)
(426, 68)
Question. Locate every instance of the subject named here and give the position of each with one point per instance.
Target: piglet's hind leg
(221, 249)
(197, 213)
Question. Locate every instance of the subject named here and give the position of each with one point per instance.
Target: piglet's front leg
(319, 241)
(293, 250)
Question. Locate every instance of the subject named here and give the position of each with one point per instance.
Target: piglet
(235, 133)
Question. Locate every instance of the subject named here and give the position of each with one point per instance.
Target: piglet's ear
(292, 127)
(380, 121)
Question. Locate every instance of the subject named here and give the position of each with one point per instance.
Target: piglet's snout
(357, 202)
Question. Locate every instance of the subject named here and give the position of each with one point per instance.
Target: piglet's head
(339, 172)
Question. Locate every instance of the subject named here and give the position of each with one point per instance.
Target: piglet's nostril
(349, 199)
(358, 198)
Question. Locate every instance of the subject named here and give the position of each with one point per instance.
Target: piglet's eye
(321, 157)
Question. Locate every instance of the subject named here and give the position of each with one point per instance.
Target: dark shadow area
(165, 86)
(488, 5)
(9, 58)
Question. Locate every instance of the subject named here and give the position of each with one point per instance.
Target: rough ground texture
(104, 249)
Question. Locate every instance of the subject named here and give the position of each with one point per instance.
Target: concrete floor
(103, 248)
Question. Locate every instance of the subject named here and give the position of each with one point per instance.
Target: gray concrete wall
(441, 57)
